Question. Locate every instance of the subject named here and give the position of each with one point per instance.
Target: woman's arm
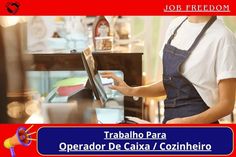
(223, 108)
(152, 90)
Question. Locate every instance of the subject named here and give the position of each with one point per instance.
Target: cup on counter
(103, 44)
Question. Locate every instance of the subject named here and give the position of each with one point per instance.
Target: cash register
(112, 110)
(109, 110)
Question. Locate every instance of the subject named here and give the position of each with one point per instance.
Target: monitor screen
(93, 75)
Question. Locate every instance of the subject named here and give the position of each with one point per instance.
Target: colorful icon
(22, 137)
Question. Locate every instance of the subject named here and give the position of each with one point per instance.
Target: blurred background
(22, 90)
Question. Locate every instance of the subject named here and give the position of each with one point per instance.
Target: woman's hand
(119, 84)
(151, 90)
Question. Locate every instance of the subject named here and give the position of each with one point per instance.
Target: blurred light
(144, 74)
(6, 21)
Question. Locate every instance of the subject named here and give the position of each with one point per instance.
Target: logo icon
(12, 7)
(21, 137)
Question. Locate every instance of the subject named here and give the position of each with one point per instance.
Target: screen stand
(84, 93)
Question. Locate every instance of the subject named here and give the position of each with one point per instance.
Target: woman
(199, 72)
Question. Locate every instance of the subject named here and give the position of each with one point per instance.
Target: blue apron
(182, 100)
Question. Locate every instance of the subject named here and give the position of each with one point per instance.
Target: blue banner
(135, 140)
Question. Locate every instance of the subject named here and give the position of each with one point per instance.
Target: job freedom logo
(12, 7)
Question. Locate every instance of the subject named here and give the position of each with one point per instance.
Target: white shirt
(212, 60)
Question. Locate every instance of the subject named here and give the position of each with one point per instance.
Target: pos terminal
(111, 108)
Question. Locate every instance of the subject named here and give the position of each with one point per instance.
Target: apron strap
(205, 28)
(175, 31)
(200, 35)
